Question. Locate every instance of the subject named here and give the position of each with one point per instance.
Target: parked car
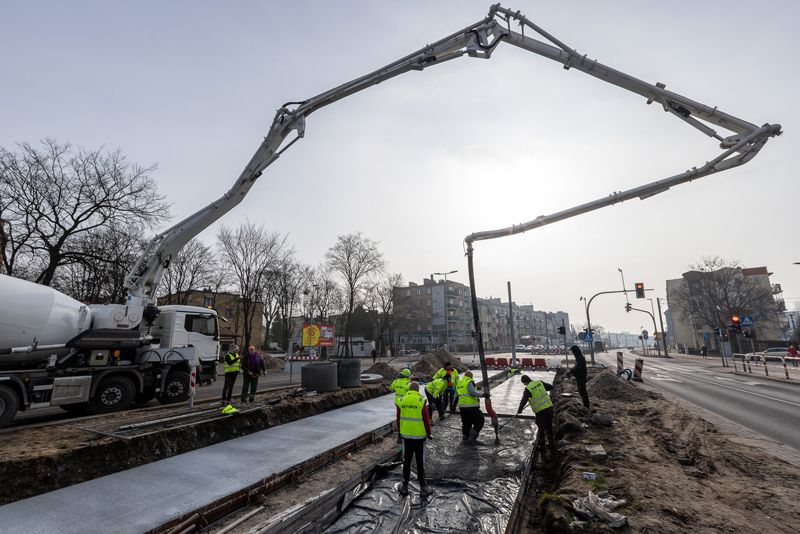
(408, 352)
(775, 353)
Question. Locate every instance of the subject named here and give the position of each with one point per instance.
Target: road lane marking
(664, 378)
(740, 381)
(746, 391)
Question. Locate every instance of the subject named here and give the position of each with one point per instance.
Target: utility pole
(663, 332)
(589, 326)
(511, 327)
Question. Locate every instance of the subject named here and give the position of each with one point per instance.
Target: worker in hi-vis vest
(433, 391)
(469, 404)
(232, 366)
(450, 375)
(414, 427)
(536, 395)
(400, 385)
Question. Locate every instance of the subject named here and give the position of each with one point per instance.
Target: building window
(208, 302)
(229, 313)
(428, 302)
(419, 291)
(428, 290)
(408, 292)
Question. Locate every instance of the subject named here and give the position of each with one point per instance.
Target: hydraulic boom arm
(477, 40)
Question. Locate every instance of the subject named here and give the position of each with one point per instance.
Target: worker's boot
(403, 488)
(473, 435)
(425, 490)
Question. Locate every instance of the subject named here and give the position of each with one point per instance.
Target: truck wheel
(8, 405)
(176, 389)
(113, 394)
(79, 407)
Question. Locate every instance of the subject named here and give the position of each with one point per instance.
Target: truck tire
(176, 388)
(76, 408)
(113, 394)
(8, 405)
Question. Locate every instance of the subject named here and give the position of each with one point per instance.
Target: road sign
(747, 320)
(644, 334)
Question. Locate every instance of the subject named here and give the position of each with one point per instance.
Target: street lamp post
(446, 320)
(589, 326)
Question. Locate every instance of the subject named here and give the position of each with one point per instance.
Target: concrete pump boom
(476, 40)
(739, 148)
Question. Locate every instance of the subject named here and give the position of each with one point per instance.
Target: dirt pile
(605, 385)
(272, 362)
(430, 362)
(386, 371)
(678, 472)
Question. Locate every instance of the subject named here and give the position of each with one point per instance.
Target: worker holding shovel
(414, 426)
(536, 395)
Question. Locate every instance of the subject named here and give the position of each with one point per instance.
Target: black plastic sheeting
(474, 486)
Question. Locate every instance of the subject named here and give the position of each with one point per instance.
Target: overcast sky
(421, 161)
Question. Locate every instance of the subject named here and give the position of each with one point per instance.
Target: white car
(775, 353)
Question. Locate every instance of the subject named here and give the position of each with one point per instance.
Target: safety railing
(762, 359)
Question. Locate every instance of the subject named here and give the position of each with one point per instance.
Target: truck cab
(190, 326)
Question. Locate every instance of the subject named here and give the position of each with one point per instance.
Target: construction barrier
(299, 358)
(620, 362)
(539, 363)
(192, 385)
(490, 362)
(502, 362)
(527, 363)
(637, 371)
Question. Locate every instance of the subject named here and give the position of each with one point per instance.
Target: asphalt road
(768, 407)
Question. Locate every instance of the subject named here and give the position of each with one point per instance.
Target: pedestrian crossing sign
(747, 320)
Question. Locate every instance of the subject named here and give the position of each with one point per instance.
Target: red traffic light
(639, 286)
(735, 319)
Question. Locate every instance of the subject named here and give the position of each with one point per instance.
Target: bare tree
(379, 303)
(104, 258)
(292, 278)
(52, 195)
(715, 289)
(353, 258)
(195, 267)
(251, 253)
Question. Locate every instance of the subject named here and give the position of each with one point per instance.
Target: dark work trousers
(449, 399)
(581, 382)
(227, 388)
(544, 423)
(411, 448)
(471, 418)
(437, 403)
(251, 383)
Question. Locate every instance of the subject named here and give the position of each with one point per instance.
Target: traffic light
(562, 330)
(628, 307)
(639, 290)
(736, 322)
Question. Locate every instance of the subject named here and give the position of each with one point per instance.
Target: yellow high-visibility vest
(232, 367)
(412, 426)
(539, 400)
(465, 400)
(400, 386)
(436, 387)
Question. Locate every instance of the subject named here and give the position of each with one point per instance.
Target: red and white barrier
(192, 385)
(637, 370)
(300, 358)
